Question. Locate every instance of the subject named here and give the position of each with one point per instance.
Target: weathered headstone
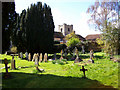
(77, 60)
(74, 52)
(40, 57)
(21, 55)
(61, 55)
(91, 54)
(45, 57)
(13, 63)
(26, 55)
(83, 69)
(29, 57)
(91, 57)
(83, 50)
(36, 59)
(6, 75)
(33, 57)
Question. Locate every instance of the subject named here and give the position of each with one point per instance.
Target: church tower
(65, 29)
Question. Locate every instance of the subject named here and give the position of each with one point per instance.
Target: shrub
(14, 49)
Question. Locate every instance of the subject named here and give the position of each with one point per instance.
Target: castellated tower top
(65, 29)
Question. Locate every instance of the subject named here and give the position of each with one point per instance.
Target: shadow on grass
(27, 80)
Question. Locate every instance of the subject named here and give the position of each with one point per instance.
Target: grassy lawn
(102, 74)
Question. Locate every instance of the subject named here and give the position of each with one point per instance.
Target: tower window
(68, 29)
(61, 29)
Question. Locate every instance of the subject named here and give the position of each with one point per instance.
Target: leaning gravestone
(33, 57)
(29, 57)
(61, 55)
(77, 60)
(26, 55)
(6, 75)
(91, 57)
(36, 59)
(40, 57)
(13, 63)
(45, 57)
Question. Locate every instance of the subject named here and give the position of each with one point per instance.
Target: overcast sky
(65, 11)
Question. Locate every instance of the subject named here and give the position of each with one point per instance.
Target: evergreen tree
(35, 28)
(8, 20)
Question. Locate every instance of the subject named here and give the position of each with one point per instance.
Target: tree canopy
(34, 29)
(8, 20)
(104, 15)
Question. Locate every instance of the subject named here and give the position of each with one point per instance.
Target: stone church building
(64, 30)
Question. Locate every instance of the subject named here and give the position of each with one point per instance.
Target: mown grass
(102, 74)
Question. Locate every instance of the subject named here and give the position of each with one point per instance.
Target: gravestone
(29, 57)
(91, 57)
(26, 55)
(33, 57)
(54, 56)
(61, 55)
(91, 54)
(6, 75)
(21, 55)
(40, 57)
(45, 57)
(83, 69)
(74, 52)
(77, 60)
(13, 63)
(36, 59)
(18, 55)
(83, 49)
(66, 54)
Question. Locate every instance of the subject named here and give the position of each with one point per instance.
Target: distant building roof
(92, 37)
(58, 35)
(80, 37)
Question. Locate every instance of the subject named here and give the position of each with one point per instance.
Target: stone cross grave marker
(45, 57)
(61, 55)
(40, 57)
(6, 75)
(13, 63)
(29, 57)
(26, 55)
(83, 69)
(77, 60)
(36, 59)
